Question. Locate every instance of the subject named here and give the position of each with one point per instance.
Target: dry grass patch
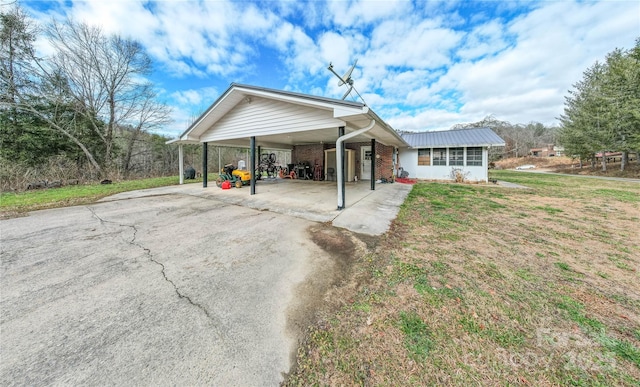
(571, 166)
(487, 285)
(539, 162)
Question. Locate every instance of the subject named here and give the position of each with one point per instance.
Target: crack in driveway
(152, 259)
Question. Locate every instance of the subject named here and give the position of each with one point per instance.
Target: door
(365, 161)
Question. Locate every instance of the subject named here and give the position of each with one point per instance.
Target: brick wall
(311, 153)
(315, 152)
(384, 164)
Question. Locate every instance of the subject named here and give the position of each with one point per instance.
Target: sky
(421, 65)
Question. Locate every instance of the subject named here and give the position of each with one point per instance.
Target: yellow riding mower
(237, 177)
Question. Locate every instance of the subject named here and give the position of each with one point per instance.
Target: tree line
(86, 111)
(86, 107)
(602, 111)
(519, 138)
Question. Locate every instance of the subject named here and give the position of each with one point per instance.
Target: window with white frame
(439, 156)
(456, 156)
(474, 156)
(424, 156)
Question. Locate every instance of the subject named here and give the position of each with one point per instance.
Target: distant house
(439, 155)
(558, 150)
(548, 151)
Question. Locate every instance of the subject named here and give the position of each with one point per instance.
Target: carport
(256, 117)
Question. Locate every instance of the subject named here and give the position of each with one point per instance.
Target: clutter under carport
(269, 168)
(189, 173)
(229, 175)
(303, 171)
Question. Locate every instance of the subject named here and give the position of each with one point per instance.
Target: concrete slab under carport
(367, 211)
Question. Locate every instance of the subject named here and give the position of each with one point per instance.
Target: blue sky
(422, 65)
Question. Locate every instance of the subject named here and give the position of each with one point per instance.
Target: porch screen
(474, 156)
(456, 157)
(439, 156)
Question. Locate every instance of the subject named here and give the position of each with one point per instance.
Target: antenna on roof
(346, 80)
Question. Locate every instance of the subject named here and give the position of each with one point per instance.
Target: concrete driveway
(158, 290)
(367, 211)
(176, 285)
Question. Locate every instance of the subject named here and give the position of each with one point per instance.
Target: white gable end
(257, 116)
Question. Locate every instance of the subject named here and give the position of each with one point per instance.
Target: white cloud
(195, 97)
(353, 13)
(189, 105)
(113, 16)
(486, 39)
(334, 48)
(190, 38)
(429, 119)
(422, 45)
(421, 65)
(553, 45)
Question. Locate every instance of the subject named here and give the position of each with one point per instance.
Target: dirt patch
(332, 240)
(539, 162)
(11, 214)
(330, 286)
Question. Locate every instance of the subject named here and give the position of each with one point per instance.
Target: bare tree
(519, 138)
(93, 80)
(148, 114)
(105, 76)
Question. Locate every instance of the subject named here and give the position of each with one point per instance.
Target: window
(474, 156)
(424, 156)
(439, 156)
(456, 156)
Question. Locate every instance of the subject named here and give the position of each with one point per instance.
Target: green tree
(602, 111)
(622, 89)
(33, 128)
(19, 132)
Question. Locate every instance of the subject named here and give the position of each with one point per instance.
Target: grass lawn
(14, 204)
(486, 285)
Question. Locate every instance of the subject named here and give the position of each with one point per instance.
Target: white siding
(262, 117)
(409, 162)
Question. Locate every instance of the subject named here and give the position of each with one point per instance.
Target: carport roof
(214, 124)
(454, 138)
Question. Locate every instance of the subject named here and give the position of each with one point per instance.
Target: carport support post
(253, 165)
(181, 163)
(340, 159)
(342, 167)
(205, 156)
(373, 164)
(258, 159)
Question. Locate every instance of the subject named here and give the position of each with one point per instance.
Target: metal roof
(453, 138)
(299, 95)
